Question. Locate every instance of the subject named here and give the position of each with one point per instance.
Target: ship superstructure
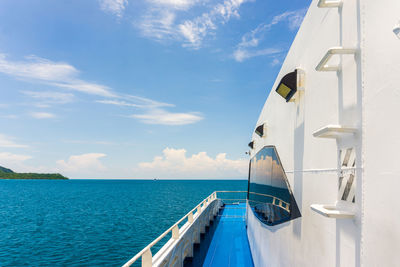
(324, 171)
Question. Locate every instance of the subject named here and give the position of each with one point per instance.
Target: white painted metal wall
(364, 94)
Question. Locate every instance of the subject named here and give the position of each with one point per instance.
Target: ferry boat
(324, 169)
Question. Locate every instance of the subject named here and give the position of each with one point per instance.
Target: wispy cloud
(164, 117)
(161, 22)
(174, 163)
(84, 163)
(176, 4)
(114, 7)
(42, 115)
(135, 101)
(119, 103)
(275, 62)
(154, 112)
(64, 75)
(47, 98)
(248, 47)
(243, 54)
(194, 31)
(59, 74)
(293, 18)
(88, 142)
(7, 158)
(8, 142)
(9, 116)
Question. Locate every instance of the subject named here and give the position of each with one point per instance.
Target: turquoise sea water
(91, 222)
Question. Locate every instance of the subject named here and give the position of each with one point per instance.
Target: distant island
(9, 174)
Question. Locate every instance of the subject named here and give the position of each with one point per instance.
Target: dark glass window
(269, 193)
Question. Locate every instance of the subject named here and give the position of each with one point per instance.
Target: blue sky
(138, 89)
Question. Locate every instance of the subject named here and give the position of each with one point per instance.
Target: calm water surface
(91, 222)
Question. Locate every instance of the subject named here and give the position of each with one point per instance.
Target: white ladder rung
(323, 64)
(332, 3)
(334, 131)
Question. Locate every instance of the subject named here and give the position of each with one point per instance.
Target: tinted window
(269, 192)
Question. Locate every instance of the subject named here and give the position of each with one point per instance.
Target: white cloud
(275, 62)
(65, 76)
(42, 115)
(243, 54)
(91, 142)
(57, 74)
(6, 141)
(175, 164)
(194, 31)
(8, 158)
(163, 117)
(82, 164)
(48, 97)
(17, 163)
(177, 4)
(114, 7)
(160, 20)
(159, 24)
(293, 18)
(250, 41)
(135, 101)
(9, 116)
(13, 161)
(154, 112)
(119, 103)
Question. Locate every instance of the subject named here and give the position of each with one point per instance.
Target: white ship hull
(362, 96)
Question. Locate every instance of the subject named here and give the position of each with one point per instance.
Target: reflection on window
(269, 193)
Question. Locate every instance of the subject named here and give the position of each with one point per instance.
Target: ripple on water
(91, 222)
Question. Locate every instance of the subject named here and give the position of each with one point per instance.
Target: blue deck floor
(225, 243)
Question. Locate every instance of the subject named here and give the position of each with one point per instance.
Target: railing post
(175, 232)
(146, 256)
(147, 259)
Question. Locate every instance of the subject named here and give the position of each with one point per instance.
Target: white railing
(146, 254)
(275, 201)
(176, 233)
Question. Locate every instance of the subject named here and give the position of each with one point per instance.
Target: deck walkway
(225, 243)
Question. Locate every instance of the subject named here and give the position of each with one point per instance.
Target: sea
(92, 222)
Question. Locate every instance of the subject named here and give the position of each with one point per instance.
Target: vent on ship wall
(269, 194)
(347, 179)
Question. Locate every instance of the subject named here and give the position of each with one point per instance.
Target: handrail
(323, 64)
(146, 252)
(260, 194)
(265, 195)
(332, 3)
(230, 192)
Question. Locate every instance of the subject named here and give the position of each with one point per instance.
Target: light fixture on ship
(290, 84)
(251, 144)
(261, 130)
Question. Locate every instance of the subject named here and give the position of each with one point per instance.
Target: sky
(138, 88)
